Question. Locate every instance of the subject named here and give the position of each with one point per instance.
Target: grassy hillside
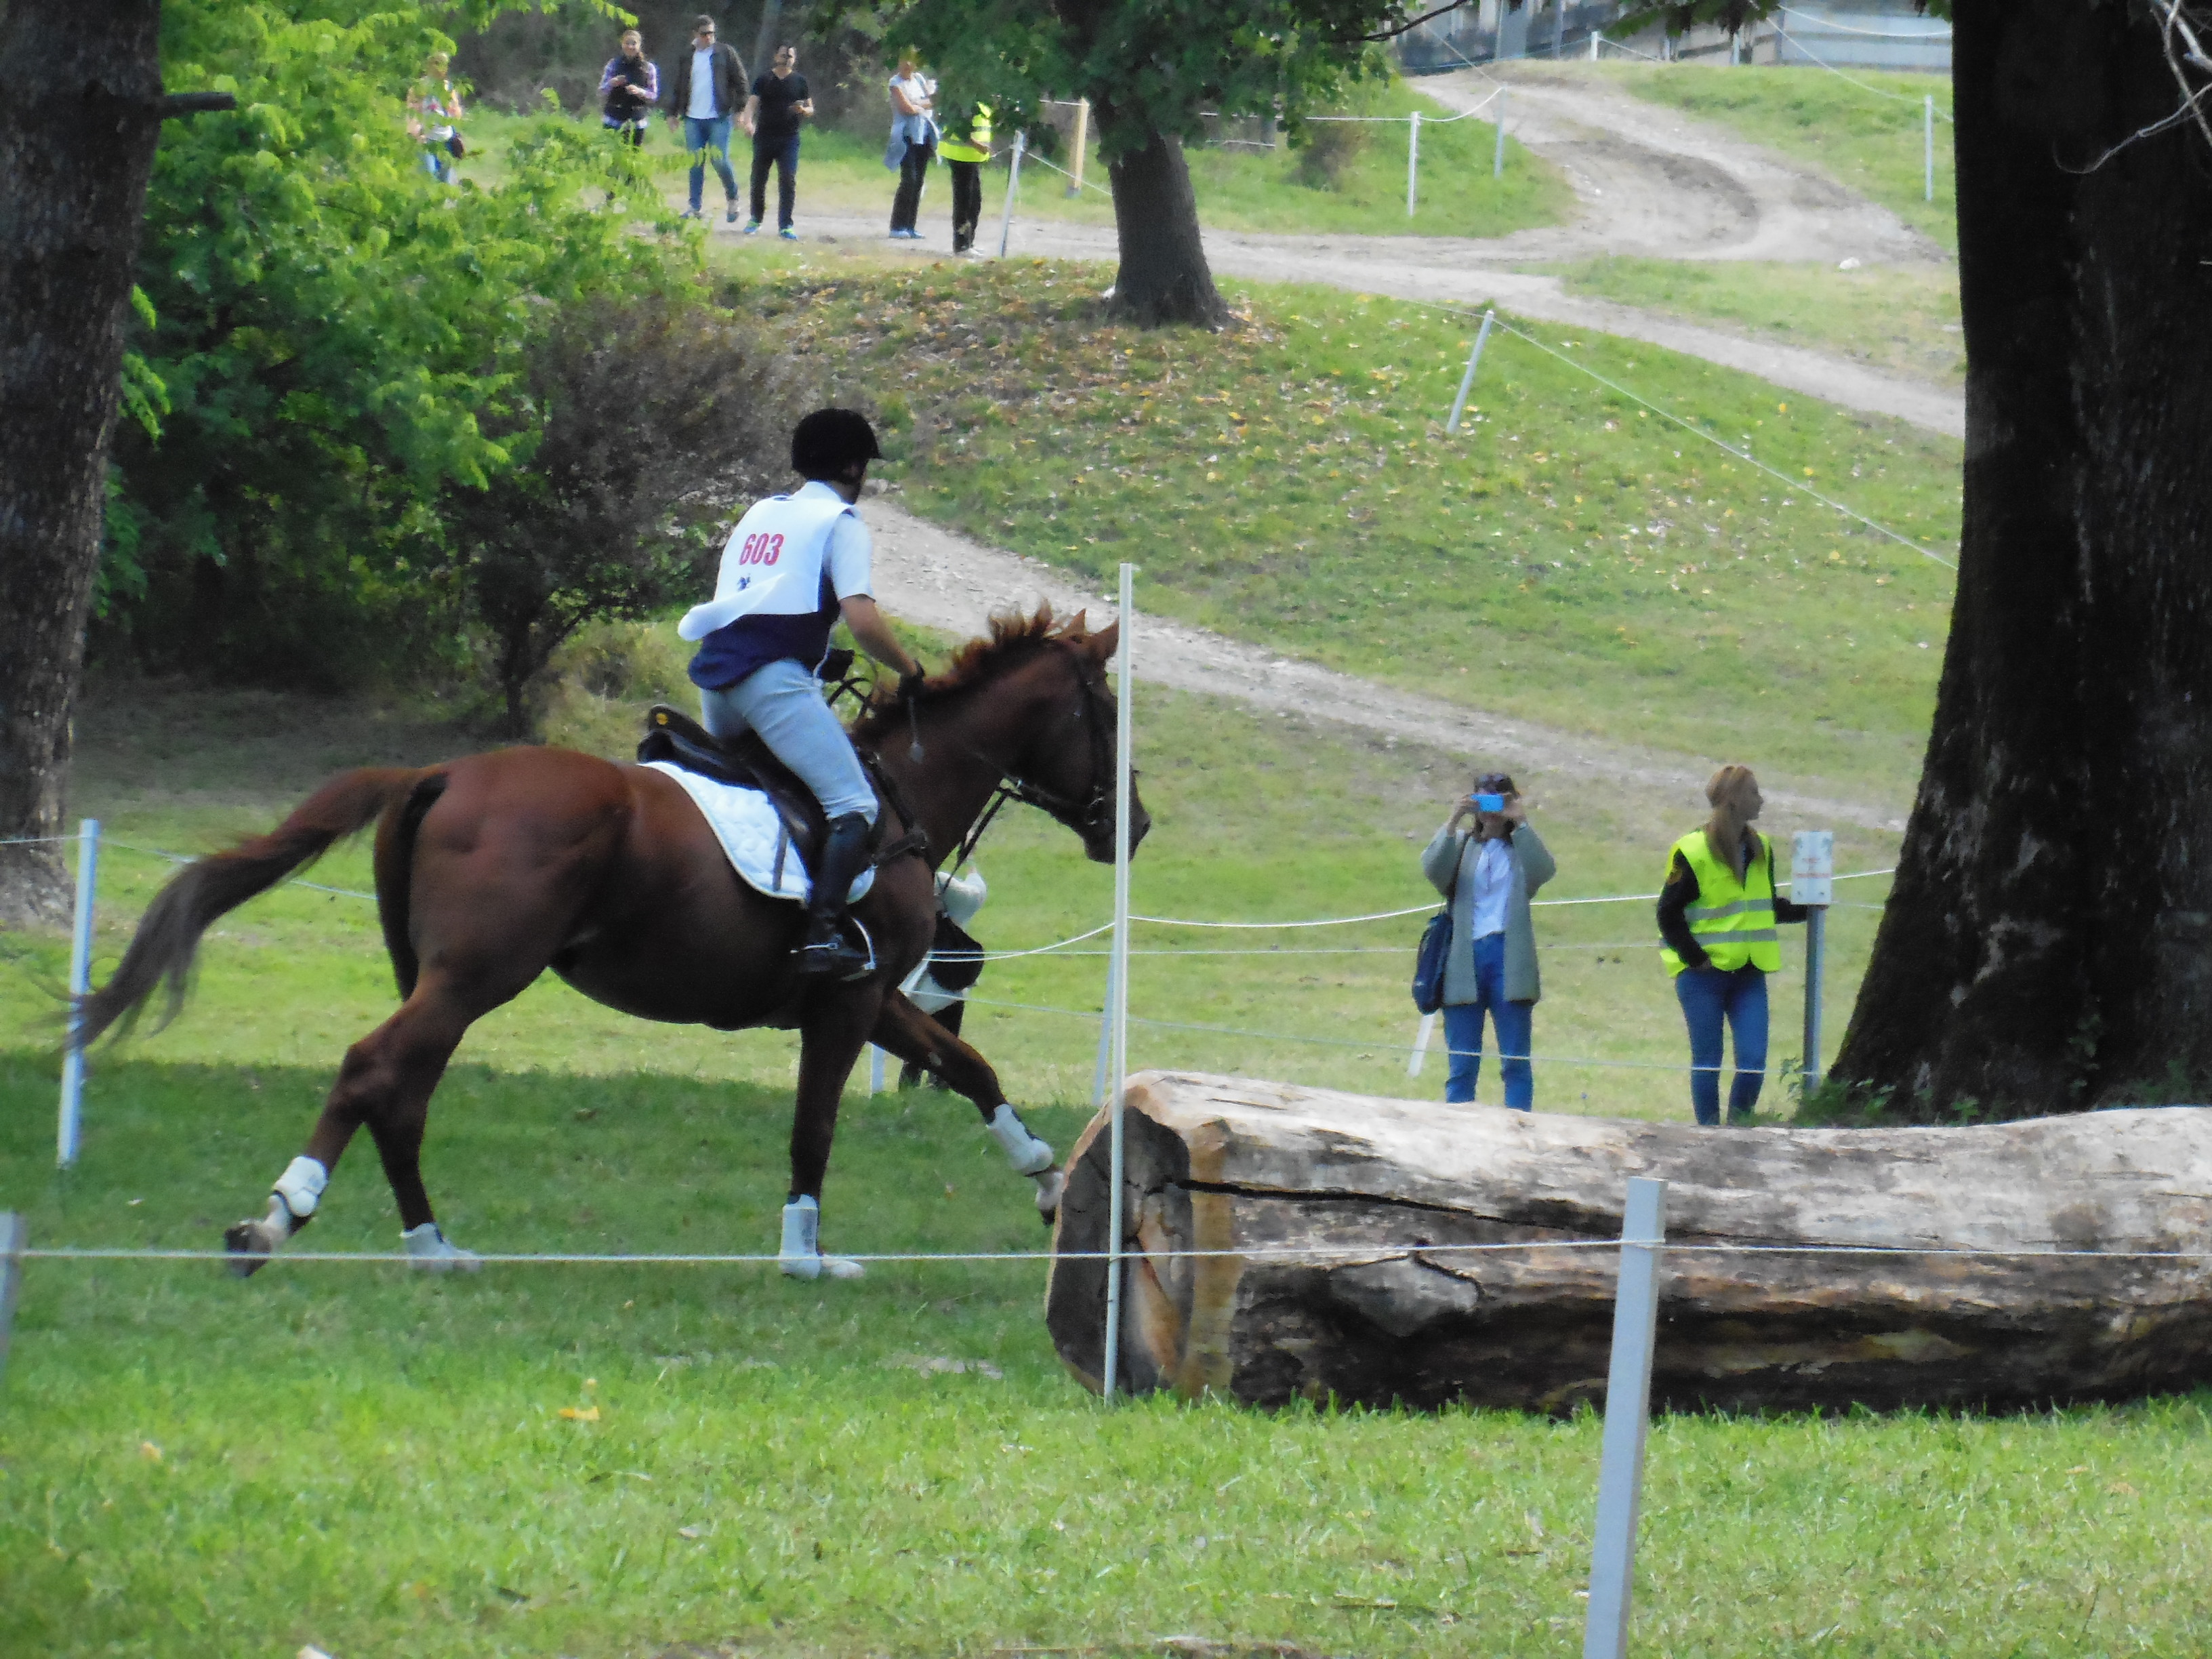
(1568, 555)
(1870, 141)
(1903, 320)
(1238, 188)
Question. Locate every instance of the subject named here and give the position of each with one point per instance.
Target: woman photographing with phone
(1486, 872)
(1718, 913)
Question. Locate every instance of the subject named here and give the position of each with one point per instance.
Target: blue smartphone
(1489, 803)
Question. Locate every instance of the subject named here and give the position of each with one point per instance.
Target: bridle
(1089, 817)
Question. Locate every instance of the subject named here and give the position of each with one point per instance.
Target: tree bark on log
(2048, 943)
(1335, 1215)
(77, 136)
(1163, 276)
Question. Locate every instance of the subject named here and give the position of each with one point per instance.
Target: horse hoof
(1049, 1186)
(249, 1247)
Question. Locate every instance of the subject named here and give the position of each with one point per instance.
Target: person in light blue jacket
(1488, 873)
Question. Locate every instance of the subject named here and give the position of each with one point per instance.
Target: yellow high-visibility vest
(976, 146)
(1733, 919)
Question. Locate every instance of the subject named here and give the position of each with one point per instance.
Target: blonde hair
(1727, 790)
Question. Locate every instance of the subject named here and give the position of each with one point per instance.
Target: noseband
(1089, 817)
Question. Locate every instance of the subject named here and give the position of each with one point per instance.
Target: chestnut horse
(492, 868)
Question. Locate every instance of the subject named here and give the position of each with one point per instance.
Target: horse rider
(791, 569)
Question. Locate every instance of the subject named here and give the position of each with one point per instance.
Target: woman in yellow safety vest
(1717, 914)
(964, 158)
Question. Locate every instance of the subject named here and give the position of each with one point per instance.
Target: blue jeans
(782, 701)
(1708, 996)
(713, 137)
(1511, 1020)
(782, 154)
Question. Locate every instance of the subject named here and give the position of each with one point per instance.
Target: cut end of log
(1289, 1243)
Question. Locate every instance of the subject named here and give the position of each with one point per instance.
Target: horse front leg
(830, 1039)
(903, 1030)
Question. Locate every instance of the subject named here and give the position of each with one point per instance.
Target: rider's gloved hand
(910, 683)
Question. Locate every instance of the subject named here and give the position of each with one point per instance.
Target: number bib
(771, 565)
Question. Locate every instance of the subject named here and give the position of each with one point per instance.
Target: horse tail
(395, 868)
(169, 934)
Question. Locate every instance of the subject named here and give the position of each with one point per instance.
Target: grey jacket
(1533, 866)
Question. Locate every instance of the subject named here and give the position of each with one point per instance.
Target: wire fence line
(473, 1260)
(1695, 430)
(1872, 34)
(1822, 63)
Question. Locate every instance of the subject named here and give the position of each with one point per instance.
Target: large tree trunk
(1329, 1211)
(78, 128)
(1163, 278)
(2048, 943)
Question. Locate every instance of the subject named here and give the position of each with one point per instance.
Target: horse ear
(1101, 645)
(1076, 626)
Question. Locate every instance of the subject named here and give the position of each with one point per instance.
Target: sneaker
(753, 226)
(730, 217)
(789, 234)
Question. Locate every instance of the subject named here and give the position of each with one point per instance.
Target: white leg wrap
(277, 1226)
(1028, 1154)
(434, 1253)
(301, 1186)
(800, 1255)
(1049, 1186)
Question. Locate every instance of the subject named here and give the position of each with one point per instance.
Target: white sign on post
(1813, 867)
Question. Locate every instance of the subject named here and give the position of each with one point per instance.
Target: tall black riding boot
(825, 949)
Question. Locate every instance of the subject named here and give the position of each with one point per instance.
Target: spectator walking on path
(1717, 914)
(1487, 874)
(780, 102)
(965, 157)
(629, 87)
(913, 143)
(433, 116)
(706, 93)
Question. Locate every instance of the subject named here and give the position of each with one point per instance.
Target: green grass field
(1290, 483)
(1904, 320)
(1238, 188)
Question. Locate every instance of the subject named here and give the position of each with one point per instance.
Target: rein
(1086, 817)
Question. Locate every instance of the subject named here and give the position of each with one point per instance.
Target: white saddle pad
(745, 821)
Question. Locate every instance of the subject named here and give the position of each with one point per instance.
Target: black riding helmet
(824, 444)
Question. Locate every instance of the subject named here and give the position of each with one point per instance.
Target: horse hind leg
(385, 1083)
(903, 1030)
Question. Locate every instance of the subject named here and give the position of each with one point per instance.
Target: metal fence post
(1813, 883)
(1413, 159)
(1466, 381)
(1498, 161)
(1928, 146)
(1627, 1419)
(15, 1238)
(1082, 145)
(1118, 1006)
(69, 1131)
(1596, 36)
(1105, 1037)
(1423, 1035)
(875, 1070)
(1013, 183)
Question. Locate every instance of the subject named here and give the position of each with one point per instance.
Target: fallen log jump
(1289, 1243)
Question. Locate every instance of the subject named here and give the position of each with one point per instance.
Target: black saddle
(673, 737)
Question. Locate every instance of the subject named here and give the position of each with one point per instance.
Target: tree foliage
(331, 340)
(633, 428)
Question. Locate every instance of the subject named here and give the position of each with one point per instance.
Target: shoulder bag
(1435, 953)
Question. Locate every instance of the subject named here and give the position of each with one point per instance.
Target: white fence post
(1422, 1037)
(1928, 146)
(1466, 381)
(875, 1070)
(1082, 145)
(1413, 159)
(69, 1131)
(1105, 1037)
(1013, 183)
(1627, 1419)
(15, 1236)
(1594, 38)
(1119, 1005)
(1498, 161)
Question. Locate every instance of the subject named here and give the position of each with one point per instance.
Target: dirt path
(940, 578)
(1649, 182)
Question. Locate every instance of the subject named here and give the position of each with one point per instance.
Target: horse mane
(1014, 639)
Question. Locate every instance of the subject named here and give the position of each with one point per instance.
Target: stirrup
(837, 954)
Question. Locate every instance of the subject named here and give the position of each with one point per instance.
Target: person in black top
(779, 103)
(629, 87)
